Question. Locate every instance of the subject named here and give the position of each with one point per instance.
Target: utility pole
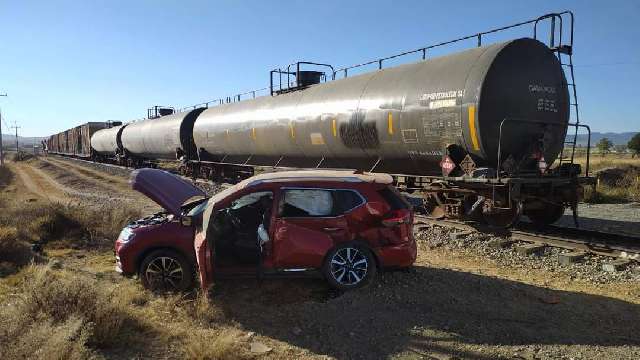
(1, 152)
(15, 126)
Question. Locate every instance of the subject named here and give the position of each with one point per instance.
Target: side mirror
(186, 220)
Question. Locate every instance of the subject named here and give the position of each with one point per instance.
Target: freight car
(163, 136)
(477, 130)
(107, 145)
(481, 132)
(76, 142)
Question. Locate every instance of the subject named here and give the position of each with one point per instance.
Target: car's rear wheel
(349, 266)
(166, 271)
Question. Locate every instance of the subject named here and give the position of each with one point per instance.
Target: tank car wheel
(545, 216)
(501, 217)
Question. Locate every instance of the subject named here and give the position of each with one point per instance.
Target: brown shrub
(55, 297)
(46, 340)
(615, 185)
(21, 156)
(6, 176)
(211, 345)
(74, 225)
(104, 225)
(14, 252)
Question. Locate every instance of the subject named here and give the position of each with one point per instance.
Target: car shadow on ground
(425, 310)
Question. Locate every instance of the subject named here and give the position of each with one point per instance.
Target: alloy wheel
(164, 273)
(349, 266)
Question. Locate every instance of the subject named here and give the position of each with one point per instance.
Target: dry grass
(58, 314)
(14, 253)
(624, 189)
(597, 162)
(46, 340)
(21, 156)
(70, 225)
(79, 311)
(212, 345)
(6, 176)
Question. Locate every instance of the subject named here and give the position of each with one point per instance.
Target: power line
(610, 64)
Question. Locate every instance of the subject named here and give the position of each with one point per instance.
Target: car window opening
(240, 231)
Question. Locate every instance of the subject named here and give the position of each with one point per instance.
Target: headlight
(126, 234)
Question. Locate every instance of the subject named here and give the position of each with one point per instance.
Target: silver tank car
(167, 138)
(107, 141)
(401, 119)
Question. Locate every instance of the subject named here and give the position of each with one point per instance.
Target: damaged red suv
(338, 224)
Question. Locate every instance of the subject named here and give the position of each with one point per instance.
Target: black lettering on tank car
(358, 134)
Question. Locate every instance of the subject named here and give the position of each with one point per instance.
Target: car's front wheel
(349, 266)
(166, 270)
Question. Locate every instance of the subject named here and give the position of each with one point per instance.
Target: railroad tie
(500, 243)
(615, 265)
(571, 257)
(460, 234)
(530, 249)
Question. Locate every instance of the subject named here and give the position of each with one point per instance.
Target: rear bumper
(403, 255)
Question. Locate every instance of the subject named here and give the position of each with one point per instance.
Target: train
(482, 133)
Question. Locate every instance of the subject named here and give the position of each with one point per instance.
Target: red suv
(340, 224)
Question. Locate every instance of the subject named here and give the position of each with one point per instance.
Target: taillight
(397, 226)
(396, 218)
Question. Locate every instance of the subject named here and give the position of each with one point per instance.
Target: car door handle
(331, 229)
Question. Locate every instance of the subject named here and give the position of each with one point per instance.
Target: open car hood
(166, 189)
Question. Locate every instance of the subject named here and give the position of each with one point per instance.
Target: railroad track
(108, 165)
(579, 241)
(623, 248)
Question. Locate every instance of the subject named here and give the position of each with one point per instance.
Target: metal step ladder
(564, 53)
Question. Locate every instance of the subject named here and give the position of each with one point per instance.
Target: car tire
(350, 265)
(166, 271)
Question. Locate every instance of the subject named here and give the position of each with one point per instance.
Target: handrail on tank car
(577, 125)
(544, 123)
(553, 16)
(288, 72)
(423, 50)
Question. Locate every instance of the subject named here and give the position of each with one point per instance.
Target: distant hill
(616, 138)
(10, 140)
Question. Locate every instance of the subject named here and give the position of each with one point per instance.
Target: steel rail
(589, 241)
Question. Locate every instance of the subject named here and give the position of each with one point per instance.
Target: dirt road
(66, 182)
(40, 184)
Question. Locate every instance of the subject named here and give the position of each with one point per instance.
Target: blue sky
(63, 63)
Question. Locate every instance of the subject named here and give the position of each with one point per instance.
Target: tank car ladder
(566, 49)
(564, 53)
